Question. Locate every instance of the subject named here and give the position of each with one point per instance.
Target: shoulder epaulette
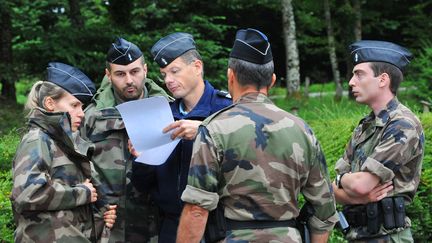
(208, 119)
(223, 94)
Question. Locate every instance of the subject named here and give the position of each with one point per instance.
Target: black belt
(258, 224)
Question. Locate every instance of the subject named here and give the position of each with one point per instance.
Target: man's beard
(136, 95)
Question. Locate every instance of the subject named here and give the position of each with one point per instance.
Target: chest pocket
(366, 141)
(65, 171)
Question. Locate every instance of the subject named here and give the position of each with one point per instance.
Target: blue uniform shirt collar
(201, 109)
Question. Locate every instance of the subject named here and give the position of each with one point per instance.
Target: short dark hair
(192, 55)
(247, 73)
(395, 74)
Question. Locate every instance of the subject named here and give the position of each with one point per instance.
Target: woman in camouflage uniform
(52, 193)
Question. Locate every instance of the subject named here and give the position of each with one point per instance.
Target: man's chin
(129, 97)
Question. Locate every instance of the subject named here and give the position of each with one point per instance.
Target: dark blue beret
(172, 46)
(380, 51)
(72, 80)
(253, 46)
(123, 52)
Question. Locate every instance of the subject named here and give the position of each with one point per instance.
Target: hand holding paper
(144, 120)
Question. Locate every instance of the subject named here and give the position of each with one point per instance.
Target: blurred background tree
(34, 33)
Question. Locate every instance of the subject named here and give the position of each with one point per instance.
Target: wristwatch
(339, 180)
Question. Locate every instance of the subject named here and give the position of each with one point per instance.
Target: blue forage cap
(172, 46)
(123, 52)
(251, 45)
(380, 51)
(72, 80)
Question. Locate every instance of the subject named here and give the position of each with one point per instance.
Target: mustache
(130, 85)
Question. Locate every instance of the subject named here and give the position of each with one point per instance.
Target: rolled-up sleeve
(202, 188)
(400, 140)
(204, 199)
(319, 192)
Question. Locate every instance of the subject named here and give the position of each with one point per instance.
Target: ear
(273, 81)
(384, 80)
(107, 73)
(198, 67)
(230, 76)
(145, 68)
(49, 104)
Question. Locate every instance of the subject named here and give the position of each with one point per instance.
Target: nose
(352, 81)
(80, 113)
(129, 79)
(168, 79)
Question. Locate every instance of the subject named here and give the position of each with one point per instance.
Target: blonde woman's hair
(39, 91)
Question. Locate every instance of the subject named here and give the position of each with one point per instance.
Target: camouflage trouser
(404, 236)
(280, 234)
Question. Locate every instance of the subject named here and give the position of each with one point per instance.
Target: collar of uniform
(201, 109)
(105, 97)
(254, 97)
(56, 124)
(383, 116)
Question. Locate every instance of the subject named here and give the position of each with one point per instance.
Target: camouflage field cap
(72, 80)
(172, 46)
(252, 45)
(380, 51)
(123, 52)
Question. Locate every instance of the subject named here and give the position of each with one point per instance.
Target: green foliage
(8, 145)
(420, 211)
(6, 218)
(421, 73)
(11, 116)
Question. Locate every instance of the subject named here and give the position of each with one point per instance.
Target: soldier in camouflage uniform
(52, 192)
(386, 148)
(254, 159)
(125, 80)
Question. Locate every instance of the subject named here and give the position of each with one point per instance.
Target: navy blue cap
(123, 52)
(72, 80)
(251, 45)
(172, 46)
(380, 51)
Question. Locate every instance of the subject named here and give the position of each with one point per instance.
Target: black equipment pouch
(373, 223)
(306, 212)
(387, 207)
(399, 212)
(216, 225)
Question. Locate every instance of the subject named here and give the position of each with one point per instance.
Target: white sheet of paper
(144, 120)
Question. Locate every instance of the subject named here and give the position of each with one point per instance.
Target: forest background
(309, 39)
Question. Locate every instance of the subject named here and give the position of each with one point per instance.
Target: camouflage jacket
(256, 159)
(112, 160)
(49, 202)
(391, 146)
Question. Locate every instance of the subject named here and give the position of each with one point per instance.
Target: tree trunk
(75, 14)
(291, 51)
(7, 75)
(357, 35)
(332, 52)
(357, 22)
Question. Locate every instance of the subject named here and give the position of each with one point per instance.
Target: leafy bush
(421, 73)
(11, 116)
(8, 145)
(6, 218)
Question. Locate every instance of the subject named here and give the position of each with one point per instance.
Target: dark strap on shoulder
(255, 224)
